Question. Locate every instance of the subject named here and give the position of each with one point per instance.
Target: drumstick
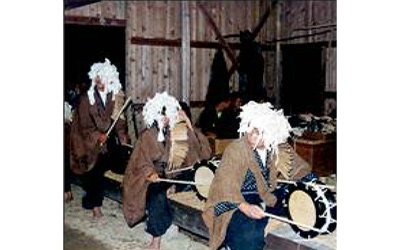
(116, 119)
(320, 185)
(179, 170)
(292, 222)
(119, 114)
(127, 145)
(181, 182)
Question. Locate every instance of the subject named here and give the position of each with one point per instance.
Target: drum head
(302, 209)
(313, 207)
(204, 174)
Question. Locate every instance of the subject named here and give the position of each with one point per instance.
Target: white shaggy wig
(153, 111)
(273, 126)
(108, 75)
(67, 112)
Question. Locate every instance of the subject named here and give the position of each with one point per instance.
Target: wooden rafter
(220, 38)
(178, 42)
(254, 33)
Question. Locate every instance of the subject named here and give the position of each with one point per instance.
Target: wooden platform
(187, 209)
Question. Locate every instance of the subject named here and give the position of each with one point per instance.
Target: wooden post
(277, 85)
(185, 22)
(309, 20)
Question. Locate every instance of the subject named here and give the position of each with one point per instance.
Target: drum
(312, 206)
(204, 174)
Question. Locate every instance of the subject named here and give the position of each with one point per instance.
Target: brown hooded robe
(151, 156)
(229, 176)
(89, 121)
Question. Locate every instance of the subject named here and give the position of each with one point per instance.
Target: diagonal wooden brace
(214, 27)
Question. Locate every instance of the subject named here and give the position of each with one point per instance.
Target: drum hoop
(323, 205)
(207, 164)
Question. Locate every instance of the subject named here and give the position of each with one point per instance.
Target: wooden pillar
(185, 52)
(277, 85)
(309, 20)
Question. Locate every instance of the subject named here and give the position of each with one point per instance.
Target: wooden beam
(261, 23)
(255, 32)
(83, 20)
(178, 42)
(328, 25)
(71, 4)
(213, 45)
(278, 73)
(220, 38)
(185, 52)
(299, 36)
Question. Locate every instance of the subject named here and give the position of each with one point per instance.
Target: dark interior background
(302, 79)
(85, 45)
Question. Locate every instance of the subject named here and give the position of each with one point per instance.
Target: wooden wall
(301, 14)
(157, 68)
(150, 68)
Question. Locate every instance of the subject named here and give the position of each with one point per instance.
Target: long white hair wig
(158, 107)
(108, 75)
(272, 125)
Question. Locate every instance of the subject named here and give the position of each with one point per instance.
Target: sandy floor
(111, 232)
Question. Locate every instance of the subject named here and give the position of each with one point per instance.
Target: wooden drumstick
(292, 222)
(127, 145)
(179, 170)
(181, 182)
(119, 114)
(319, 185)
(116, 119)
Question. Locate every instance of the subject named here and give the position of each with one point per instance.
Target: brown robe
(88, 122)
(229, 176)
(151, 156)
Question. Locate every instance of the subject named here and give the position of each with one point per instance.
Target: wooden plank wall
(300, 14)
(157, 68)
(150, 69)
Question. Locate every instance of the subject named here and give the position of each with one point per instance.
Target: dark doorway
(87, 44)
(302, 79)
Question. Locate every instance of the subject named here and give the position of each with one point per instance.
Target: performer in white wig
(106, 75)
(169, 142)
(272, 125)
(161, 111)
(95, 113)
(247, 177)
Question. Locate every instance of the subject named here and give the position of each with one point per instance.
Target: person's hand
(211, 135)
(123, 139)
(164, 122)
(102, 138)
(251, 211)
(153, 177)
